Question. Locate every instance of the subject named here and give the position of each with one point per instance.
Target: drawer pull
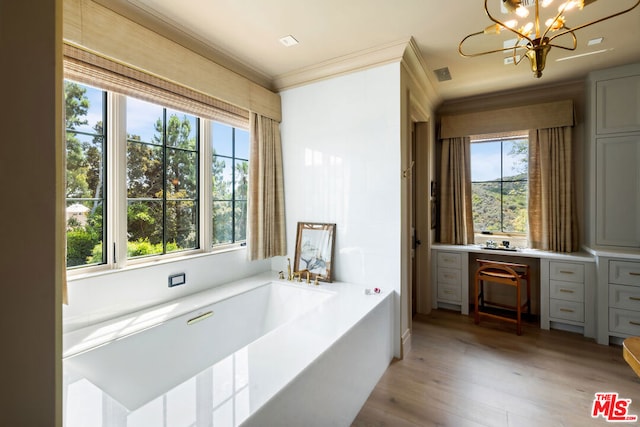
(567, 291)
(631, 322)
(566, 272)
(634, 298)
(633, 273)
(567, 310)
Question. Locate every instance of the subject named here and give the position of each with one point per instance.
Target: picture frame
(315, 243)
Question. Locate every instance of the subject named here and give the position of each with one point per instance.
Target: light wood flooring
(459, 374)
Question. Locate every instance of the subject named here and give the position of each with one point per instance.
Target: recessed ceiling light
(289, 41)
(595, 41)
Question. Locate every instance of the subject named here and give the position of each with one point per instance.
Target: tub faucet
(289, 275)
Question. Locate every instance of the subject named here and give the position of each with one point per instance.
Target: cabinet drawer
(568, 291)
(624, 272)
(566, 310)
(627, 297)
(449, 275)
(624, 321)
(449, 259)
(566, 272)
(449, 292)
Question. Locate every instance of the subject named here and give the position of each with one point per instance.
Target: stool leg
(476, 308)
(518, 309)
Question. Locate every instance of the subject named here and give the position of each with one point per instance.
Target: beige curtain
(456, 219)
(266, 223)
(552, 211)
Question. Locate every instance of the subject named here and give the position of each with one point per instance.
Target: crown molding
(368, 58)
(415, 66)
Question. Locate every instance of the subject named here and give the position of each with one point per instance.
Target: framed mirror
(314, 250)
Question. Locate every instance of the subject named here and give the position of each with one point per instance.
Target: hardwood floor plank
(462, 374)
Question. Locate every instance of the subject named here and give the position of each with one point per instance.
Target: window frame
(115, 194)
(501, 138)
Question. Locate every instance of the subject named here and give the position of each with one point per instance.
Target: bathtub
(255, 352)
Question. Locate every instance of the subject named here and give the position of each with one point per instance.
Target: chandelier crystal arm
(473, 55)
(503, 25)
(562, 33)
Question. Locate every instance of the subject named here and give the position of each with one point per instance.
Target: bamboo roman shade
(92, 69)
(537, 116)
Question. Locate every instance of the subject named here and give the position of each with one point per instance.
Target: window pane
(84, 232)
(144, 170)
(222, 222)
(486, 206)
(85, 163)
(485, 161)
(144, 227)
(182, 174)
(85, 175)
(514, 207)
(181, 130)
(515, 159)
(85, 108)
(144, 121)
(222, 139)
(241, 221)
(242, 180)
(181, 225)
(222, 178)
(242, 144)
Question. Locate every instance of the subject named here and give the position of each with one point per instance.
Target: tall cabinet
(613, 196)
(615, 137)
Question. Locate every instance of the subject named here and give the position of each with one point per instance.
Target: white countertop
(529, 253)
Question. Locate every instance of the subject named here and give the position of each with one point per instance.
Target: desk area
(564, 285)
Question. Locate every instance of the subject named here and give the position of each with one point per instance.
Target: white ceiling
(244, 36)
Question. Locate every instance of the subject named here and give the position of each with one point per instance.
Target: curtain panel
(456, 219)
(552, 207)
(266, 232)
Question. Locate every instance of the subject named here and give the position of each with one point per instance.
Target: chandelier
(534, 40)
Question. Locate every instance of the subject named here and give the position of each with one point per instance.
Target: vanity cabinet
(613, 192)
(568, 296)
(450, 272)
(620, 317)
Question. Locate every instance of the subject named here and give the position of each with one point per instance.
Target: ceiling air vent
(442, 74)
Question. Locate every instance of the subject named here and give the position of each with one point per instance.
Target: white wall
(114, 293)
(341, 145)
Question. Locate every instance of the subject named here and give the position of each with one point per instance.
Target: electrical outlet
(177, 279)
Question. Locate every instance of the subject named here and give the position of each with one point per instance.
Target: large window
(499, 175)
(146, 159)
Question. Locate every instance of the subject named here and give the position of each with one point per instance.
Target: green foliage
(487, 200)
(80, 245)
(142, 247)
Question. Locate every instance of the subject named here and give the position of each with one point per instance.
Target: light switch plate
(177, 279)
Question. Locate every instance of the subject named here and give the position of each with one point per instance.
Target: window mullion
(205, 176)
(117, 165)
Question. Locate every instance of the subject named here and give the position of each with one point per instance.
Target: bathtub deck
(290, 373)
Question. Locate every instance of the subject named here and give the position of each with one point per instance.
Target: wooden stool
(504, 273)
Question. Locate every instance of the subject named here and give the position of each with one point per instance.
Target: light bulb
(546, 3)
(522, 12)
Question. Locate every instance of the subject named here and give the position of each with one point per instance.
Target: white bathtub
(275, 353)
